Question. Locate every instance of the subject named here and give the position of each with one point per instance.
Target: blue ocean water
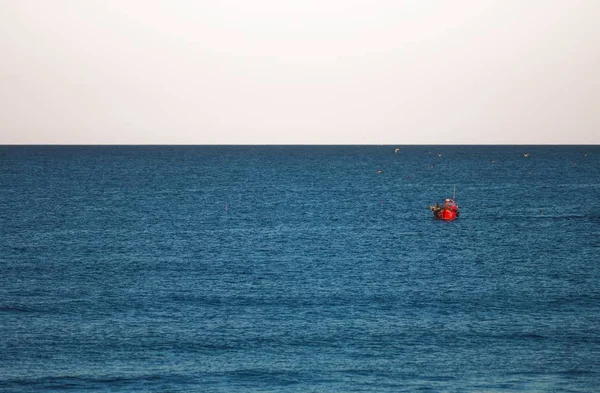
(299, 269)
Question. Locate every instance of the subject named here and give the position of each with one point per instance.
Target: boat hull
(445, 215)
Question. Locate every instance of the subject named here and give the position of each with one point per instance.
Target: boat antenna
(454, 194)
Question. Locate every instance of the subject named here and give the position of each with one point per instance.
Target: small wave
(68, 382)
(577, 373)
(10, 308)
(533, 336)
(273, 376)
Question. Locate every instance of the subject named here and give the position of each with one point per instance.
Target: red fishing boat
(448, 211)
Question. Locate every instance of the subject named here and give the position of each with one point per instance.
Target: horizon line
(297, 144)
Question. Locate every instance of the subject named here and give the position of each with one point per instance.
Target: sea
(299, 269)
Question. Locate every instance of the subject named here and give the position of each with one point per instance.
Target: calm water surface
(299, 269)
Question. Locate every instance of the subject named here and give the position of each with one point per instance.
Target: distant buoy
(525, 155)
(396, 150)
(379, 172)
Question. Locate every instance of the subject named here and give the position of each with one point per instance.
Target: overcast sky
(299, 72)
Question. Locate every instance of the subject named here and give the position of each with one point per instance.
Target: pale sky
(299, 72)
